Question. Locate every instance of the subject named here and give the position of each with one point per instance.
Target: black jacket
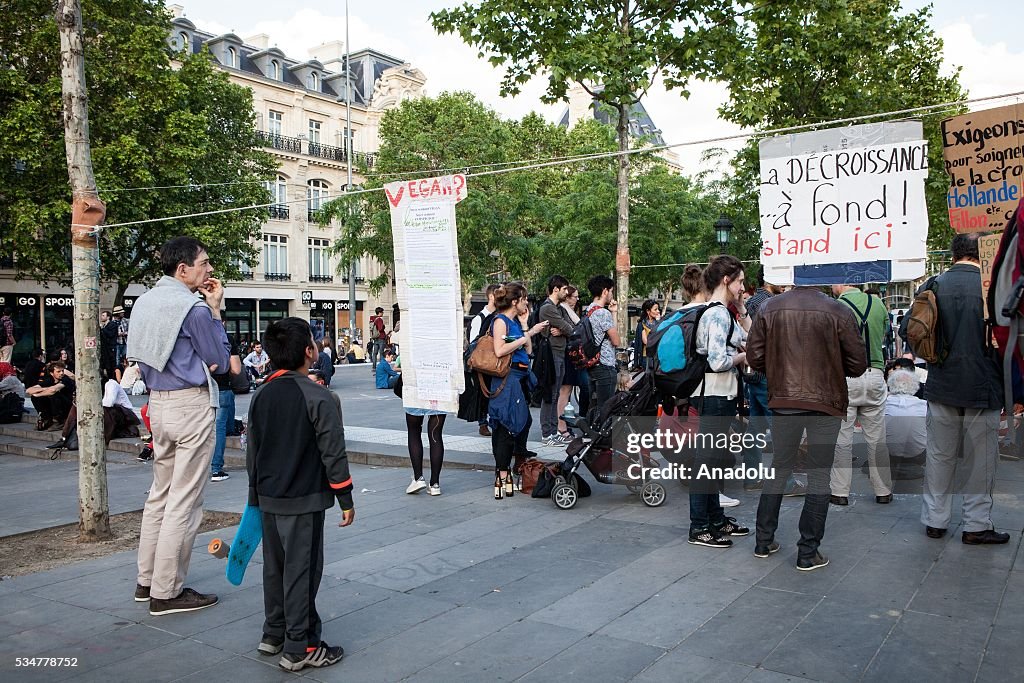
(970, 376)
(296, 447)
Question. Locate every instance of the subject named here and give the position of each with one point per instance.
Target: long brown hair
(507, 293)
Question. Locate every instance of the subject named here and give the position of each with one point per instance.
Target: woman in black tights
(414, 418)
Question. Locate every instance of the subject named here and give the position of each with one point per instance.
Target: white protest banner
(429, 289)
(851, 195)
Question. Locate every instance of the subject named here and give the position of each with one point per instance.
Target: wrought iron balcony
(321, 278)
(280, 142)
(359, 279)
(279, 213)
(317, 149)
(245, 275)
(277, 277)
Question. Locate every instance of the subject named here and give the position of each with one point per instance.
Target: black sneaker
(766, 550)
(141, 593)
(188, 600)
(709, 538)
(270, 646)
(146, 455)
(324, 655)
(811, 563)
(58, 444)
(219, 475)
(731, 528)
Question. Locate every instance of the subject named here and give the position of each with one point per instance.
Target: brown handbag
(530, 471)
(486, 361)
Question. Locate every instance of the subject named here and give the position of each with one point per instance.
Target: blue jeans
(760, 419)
(716, 415)
(225, 416)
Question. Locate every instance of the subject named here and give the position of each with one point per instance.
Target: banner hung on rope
(984, 157)
(844, 205)
(427, 282)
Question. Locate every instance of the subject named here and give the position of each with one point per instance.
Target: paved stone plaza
(463, 587)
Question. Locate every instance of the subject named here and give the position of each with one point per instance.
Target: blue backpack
(677, 368)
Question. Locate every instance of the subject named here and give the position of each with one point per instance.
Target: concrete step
(30, 419)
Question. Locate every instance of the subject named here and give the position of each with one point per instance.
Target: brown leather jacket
(807, 344)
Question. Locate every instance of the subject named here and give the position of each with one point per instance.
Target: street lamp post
(723, 229)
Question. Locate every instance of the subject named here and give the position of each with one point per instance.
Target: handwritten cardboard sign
(842, 196)
(984, 157)
(988, 245)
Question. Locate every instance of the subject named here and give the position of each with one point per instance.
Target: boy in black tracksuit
(297, 468)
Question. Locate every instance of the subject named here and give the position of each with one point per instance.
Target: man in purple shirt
(178, 341)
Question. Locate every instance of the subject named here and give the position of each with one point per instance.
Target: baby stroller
(598, 450)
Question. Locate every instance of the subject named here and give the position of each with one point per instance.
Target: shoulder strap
(865, 331)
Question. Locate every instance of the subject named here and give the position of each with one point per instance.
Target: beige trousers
(183, 439)
(867, 406)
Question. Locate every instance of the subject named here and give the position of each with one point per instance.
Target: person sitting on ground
(356, 353)
(119, 418)
(12, 395)
(53, 396)
(131, 380)
(323, 367)
(33, 370)
(905, 424)
(386, 374)
(257, 363)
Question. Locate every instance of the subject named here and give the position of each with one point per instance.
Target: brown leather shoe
(484, 431)
(883, 500)
(839, 500)
(989, 536)
(934, 533)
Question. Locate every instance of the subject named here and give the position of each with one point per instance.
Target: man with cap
(122, 335)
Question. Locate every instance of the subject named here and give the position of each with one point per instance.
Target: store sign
(321, 306)
(128, 302)
(59, 302)
(307, 297)
(18, 300)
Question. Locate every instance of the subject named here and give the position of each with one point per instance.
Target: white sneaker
(435, 489)
(416, 486)
(727, 502)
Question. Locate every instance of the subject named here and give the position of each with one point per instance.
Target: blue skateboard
(247, 539)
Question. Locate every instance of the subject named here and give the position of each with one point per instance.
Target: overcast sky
(978, 37)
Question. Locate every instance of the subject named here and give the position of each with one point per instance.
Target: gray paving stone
(364, 627)
(538, 590)
(951, 591)
(1003, 655)
(418, 647)
(817, 651)
(77, 627)
(505, 655)
(241, 670)
(38, 614)
(948, 649)
(765, 676)
(677, 610)
(163, 663)
(683, 666)
(596, 658)
(1011, 609)
(743, 625)
(887, 580)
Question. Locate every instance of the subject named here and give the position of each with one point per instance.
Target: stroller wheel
(564, 496)
(653, 494)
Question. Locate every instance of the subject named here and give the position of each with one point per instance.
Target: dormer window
(275, 70)
(314, 81)
(183, 42)
(232, 58)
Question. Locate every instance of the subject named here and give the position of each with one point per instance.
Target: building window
(317, 194)
(243, 267)
(346, 133)
(319, 260)
(275, 70)
(275, 254)
(274, 122)
(314, 131)
(232, 58)
(278, 190)
(184, 44)
(314, 81)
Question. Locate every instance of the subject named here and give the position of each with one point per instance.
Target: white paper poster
(429, 289)
(844, 196)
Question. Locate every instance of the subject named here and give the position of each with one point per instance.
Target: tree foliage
(810, 61)
(151, 124)
(538, 221)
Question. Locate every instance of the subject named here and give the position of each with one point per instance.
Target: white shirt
(113, 395)
(905, 425)
(478, 320)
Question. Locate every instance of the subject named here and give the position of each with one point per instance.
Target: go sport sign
(832, 201)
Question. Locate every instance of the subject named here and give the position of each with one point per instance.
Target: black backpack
(583, 350)
(10, 408)
(673, 360)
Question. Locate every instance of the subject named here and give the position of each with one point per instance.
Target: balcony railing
(313, 215)
(277, 277)
(279, 213)
(359, 279)
(317, 149)
(321, 278)
(280, 142)
(245, 275)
